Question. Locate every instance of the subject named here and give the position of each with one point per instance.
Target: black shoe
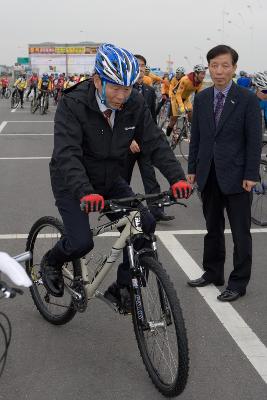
(201, 282)
(230, 295)
(168, 131)
(120, 296)
(163, 217)
(52, 277)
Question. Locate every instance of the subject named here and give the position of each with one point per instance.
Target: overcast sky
(158, 28)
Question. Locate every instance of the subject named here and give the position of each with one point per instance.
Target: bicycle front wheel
(259, 202)
(184, 142)
(160, 330)
(7, 94)
(42, 237)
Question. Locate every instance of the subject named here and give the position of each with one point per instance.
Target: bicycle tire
(34, 105)
(42, 305)
(183, 144)
(259, 200)
(7, 94)
(167, 294)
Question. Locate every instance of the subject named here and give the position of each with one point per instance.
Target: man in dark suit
(224, 159)
(146, 168)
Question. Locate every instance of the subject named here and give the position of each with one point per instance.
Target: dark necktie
(107, 114)
(219, 107)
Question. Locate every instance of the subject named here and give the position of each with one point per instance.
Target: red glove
(181, 190)
(92, 202)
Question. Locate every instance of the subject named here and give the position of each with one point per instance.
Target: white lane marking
(27, 134)
(203, 231)
(245, 338)
(3, 125)
(159, 233)
(29, 121)
(25, 158)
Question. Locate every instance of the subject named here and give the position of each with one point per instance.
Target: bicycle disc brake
(79, 303)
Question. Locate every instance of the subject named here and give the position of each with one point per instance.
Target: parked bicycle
(157, 316)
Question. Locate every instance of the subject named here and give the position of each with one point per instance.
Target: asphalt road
(95, 356)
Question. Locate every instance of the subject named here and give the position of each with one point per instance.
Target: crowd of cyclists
(178, 88)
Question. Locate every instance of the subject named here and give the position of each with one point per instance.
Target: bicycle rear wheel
(161, 335)
(184, 142)
(163, 117)
(42, 237)
(34, 105)
(259, 202)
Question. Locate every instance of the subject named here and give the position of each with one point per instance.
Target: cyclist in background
(81, 78)
(44, 86)
(33, 82)
(20, 84)
(149, 78)
(59, 86)
(244, 80)
(260, 82)
(69, 82)
(189, 84)
(165, 86)
(4, 84)
(179, 73)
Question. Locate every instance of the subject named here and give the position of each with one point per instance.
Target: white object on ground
(14, 270)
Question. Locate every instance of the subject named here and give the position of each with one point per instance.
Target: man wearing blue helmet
(95, 123)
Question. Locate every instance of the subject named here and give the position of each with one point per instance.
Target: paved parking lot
(95, 356)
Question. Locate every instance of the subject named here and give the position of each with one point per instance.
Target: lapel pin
(232, 101)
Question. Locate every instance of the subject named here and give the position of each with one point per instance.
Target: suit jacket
(235, 145)
(150, 97)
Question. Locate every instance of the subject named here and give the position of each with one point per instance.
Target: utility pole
(169, 63)
(66, 60)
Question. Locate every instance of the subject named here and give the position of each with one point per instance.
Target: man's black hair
(140, 58)
(220, 50)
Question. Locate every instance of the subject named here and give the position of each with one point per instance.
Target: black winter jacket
(87, 152)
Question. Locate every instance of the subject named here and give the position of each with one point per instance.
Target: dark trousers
(238, 208)
(78, 239)
(34, 88)
(148, 176)
(21, 94)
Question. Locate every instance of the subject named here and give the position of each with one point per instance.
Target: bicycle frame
(132, 227)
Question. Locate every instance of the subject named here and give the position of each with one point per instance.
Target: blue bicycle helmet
(116, 65)
(45, 77)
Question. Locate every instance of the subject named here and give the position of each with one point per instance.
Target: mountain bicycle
(15, 272)
(15, 98)
(164, 115)
(6, 94)
(181, 134)
(41, 102)
(156, 314)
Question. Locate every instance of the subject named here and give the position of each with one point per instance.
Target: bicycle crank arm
(73, 293)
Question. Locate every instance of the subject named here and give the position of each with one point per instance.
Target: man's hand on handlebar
(181, 190)
(92, 203)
